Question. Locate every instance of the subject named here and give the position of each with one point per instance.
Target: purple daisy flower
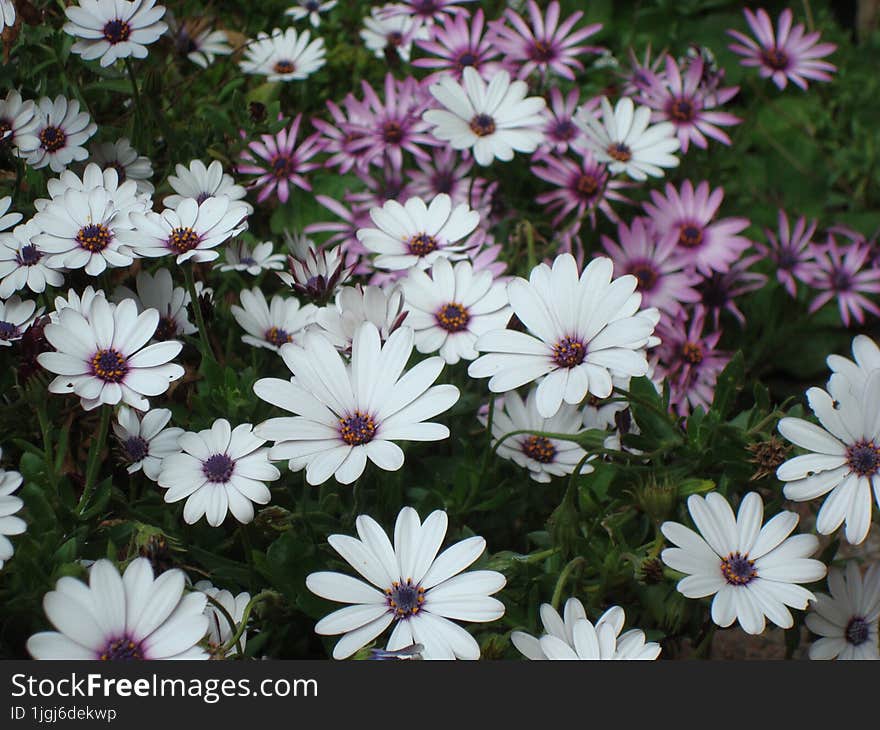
(663, 281)
(789, 54)
(686, 218)
(560, 131)
(681, 99)
(455, 44)
(389, 183)
(545, 45)
(642, 75)
(447, 172)
(394, 125)
(279, 163)
(791, 251)
(427, 11)
(689, 361)
(341, 140)
(843, 273)
(720, 290)
(584, 186)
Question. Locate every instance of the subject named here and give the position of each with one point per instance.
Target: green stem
(232, 625)
(245, 617)
(94, 461)
(138, 112)
(246, 545)
(46, 430)
(563, 578)
(197, 312)
(487, 455)
(530, 245)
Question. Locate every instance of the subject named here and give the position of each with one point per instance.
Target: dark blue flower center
(122, 650)
(52, 139)
(857, 631)
(569, 352)
(94, 237)
(277, 336)
(863, 458)
(539, 448)
(136, 448)
(738, 570)
(109, 365)
(405, 598)
(28, 255)
(218, 468)
(357, 429)
(8, 330)
(117, 31)
(452, 317)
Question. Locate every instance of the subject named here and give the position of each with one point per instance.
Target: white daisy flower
(847, 620)
(7, 219)
(346, 414)
(23, 263)
(314, 273)
(493, 120)
(844, 458)
(132, 617)
(544, 457)
(9, 505)
(415, 234)
(157, 291)
(381, 31)
(575, 637)
(16, 315)
(146, 441)
(412, 586)
(275, 324)
(61, 130)
(124, 158)
(310, 9)
(85, 230)
(219, 470)
(114, 29)
(78, 303)
(752, 571)
(581, 332)
(123, 194)
(195, 39)
(451, 308)
(866, 359)
(191, 232)
(602, 412)
(103, 359)
(354, 305)
(625, 140)
(7, 13)
(201, 183)
(283, 56)
(18, 121)
(240, 257)
(219, 630)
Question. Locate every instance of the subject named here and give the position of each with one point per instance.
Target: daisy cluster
(281, 304)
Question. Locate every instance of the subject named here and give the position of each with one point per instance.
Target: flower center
(452, 317)
(136, 448)
(692, 352)
(569, 352)
(392, 132)
(857, 631)
(394, 38)
(682, 110)
(312, 5)
(283, 166)
(218, 468)
(620, 152)
(565, 130)
(277, 336)
(586, 186)
(841, 280)
(117, 31)
(467, 58)
(122, 650)
(357, 429)
(94, 237)
(690, 236)
(109, 365)
(53, 139)
(646, 274)
(738, 570)
(29, 255)
(539, 448)
(482, 125)
(863, 458)
(422, 244)
(543, 51)
(166, 329)
(182, 240)
(775, 58)
(405, 599)
(8, 330)
(284, 67)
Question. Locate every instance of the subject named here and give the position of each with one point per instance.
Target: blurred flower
(240, 257)
(542, 456)
(560, 131)
(577, 354)
(427, 11)
(841, 273)
(347, 414)
(9, 505)
(846, 620)
(103, 359)
(283, 56)
(271, 325)
(114, 30)
(791, 251)
(625, 140)
(575, 637)
(123, 158)
(790, 54)
(686, 218)
(492, 120)
(720, 290)
(752, 571)
(157, 291)
(340, 139)
(278, 162)
(546, 45)
(456, 43)
(642, 74)
(145, 442)
(412, 587)
(61, 130)
(382, 33)
(310, 9)
(129, 618)
(843, 458)
(18, 122)
(196, 40)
